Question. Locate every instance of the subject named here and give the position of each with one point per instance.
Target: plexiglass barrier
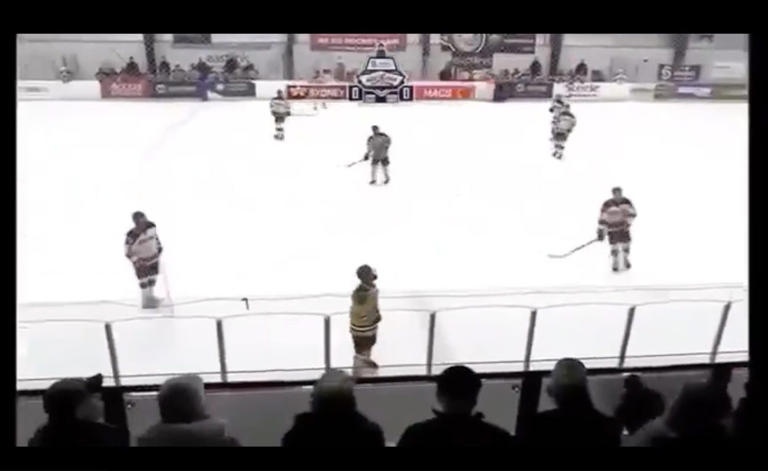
(300, 345)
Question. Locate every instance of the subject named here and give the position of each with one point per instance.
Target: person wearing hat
(616, 216)
(333, 419)
(574, 422)
(74, 414)
(455, 425)
(364, 316)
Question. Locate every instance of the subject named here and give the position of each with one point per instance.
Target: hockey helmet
(365, 272)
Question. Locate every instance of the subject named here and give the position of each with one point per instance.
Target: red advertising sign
(312, 91)
(125, 86)
(444, 92)
(357, 42)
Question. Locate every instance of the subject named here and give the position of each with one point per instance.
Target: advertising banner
(507, 90)
(311, 91)
(683, 73)
(444, 92)
(125, 86)
(729, 70)
(357, 42)
(474, 52)
(488, 44)
(593, 90)
(234, 89)
(701, 92)
(169, 89)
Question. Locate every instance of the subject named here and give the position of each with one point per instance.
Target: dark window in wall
(192, 38)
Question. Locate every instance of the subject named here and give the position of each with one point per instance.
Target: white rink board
(474, 204)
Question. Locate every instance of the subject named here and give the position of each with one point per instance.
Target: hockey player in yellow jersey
(364, 316)
(280, 109)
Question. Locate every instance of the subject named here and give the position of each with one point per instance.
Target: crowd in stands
(234, 68)
(701, 415)
(534, 73)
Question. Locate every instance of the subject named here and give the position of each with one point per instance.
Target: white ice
(476, 203)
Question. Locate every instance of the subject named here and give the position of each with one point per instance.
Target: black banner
(167, 89)
(507, 90)
(233, 89)
(488, 44)
(192, 38)
(683, 73)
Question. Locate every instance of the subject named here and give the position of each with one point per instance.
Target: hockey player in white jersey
(378, 152)
(143, 249)
(561, 129)
(280, 109)
(557, 106)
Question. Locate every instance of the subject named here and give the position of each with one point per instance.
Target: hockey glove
(600, 234)
(366, 156)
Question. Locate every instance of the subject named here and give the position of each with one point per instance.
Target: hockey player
(378, 152)
(280, 109)
(143, 249)
(557, 106)
(616, 216)
(364, 316)
(561, 129)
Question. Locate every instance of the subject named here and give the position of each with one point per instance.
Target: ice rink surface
(476, 202)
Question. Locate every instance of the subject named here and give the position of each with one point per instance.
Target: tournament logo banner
(357, 42)
(381, 81)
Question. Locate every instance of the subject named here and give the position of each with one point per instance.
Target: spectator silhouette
(574, 422)
(184, 420)
(340, 72)
(203, 68)
(456, 426)
(74, 417)
(132, 68)
(178, 74)
(743, 418)
(333, 420)
(717, 387)
(535, 67)
(231, 65)
(639, 404)
(581, 69)
(193, 75)
(445, 73)
(164, 69)
(691, 421)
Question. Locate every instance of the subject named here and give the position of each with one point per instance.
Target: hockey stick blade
(353, 163)
(574, 250)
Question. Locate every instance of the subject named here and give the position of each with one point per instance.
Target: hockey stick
(574, 250)
(355, 163)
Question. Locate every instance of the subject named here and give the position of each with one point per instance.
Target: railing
(225, 373)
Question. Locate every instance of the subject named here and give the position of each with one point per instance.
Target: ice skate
(150, 303)
(386, 180)
(372, 182)
(627, 265)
